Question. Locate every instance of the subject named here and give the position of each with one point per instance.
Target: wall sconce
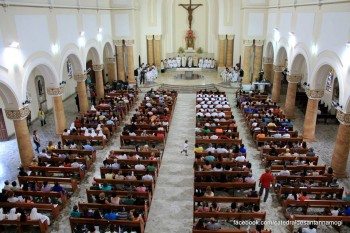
(26, 102)
(63, 83)
(337, 105)
(54, 48)
(14, 44)
(314, 49)
(99, 30)
(305, 85)
(82, 33)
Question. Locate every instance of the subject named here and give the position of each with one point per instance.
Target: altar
(188, 72)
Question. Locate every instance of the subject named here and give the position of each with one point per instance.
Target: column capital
(343, 117)
(55, 90)
(278, 68)
(267, 60)
(230, 37)
(110, 60)
(149, 37)
(157, 37)
(18, 114)
(80, 77)
(222, 37)
(118, 42)
(129, 42)
(98, 67)
(314, 94)
(294, 78)
(247, 42)
(259, 42)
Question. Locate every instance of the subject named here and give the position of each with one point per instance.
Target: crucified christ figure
(190, 8)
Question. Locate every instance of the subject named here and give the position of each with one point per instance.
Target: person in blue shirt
(210, 157)
(242, 149)
(57, 188)
(110, 215)
(88, 147)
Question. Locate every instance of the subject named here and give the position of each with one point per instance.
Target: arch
(108, 50)
(91, 47)
(347, 105)
(71, 51)
(269, 50)
(325, 60)
(281, 56)
(43, 62)
(300, 53)
(7, 91)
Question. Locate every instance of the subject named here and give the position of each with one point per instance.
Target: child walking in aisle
(185, 148)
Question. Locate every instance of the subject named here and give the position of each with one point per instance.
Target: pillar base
(311, 139)
(340, 175)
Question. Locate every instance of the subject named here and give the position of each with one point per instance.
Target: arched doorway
(268, 62)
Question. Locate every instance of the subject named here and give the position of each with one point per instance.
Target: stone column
(130, 59)
(276, 87)
(83, 100)
(100, 91)
(229, 51)
(311, 114)
(221, 61)
(150, 55)
(24, 143)
(120, 60)
(111, 69)
(342, 145)
(246, 61)
(157, 50)
(268, 63)
(257, 58)
(60, 117)
(293, 81)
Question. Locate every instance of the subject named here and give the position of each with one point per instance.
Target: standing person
(185, 148)
(265, 180)
(93, 97)
(29, 118)
(77, 102)
(41, 115)
(36, 140)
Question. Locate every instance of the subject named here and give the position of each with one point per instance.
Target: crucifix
(190, 8)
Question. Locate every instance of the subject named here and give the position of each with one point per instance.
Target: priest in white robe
(200, 63)
(183, 61)
(178, 61)
(195, 61)
(190, 61)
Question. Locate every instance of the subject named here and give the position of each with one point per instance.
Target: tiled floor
(167, 201)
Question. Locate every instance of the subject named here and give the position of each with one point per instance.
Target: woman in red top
(303, 197)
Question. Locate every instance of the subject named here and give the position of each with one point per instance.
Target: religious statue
(190, 39)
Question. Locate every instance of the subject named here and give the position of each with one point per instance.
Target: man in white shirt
(286, 135)
(147, 177)
(123, 156)
(214, 136)
(222, 114)
(240, 158)
(250, 178)
(284, 172)
(43, 154)
(139, 166)
(210, 148)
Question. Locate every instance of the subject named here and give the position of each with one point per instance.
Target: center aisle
(172, 203)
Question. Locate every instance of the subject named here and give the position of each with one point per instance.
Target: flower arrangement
(181, 50)
(199, 50)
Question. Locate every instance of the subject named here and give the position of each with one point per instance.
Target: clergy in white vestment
(223, 74)
(162, 67)
(212, 64)
(174, 63)
(195, 61)
(178, 61)
(190, 61)
(200, 63)
(206, 63)
(165, 62)
(183, 61)
(154, 72)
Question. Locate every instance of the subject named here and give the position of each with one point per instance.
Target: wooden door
(3, 130)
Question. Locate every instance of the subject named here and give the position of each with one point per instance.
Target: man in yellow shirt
(198, 149)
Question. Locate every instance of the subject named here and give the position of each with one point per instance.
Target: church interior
(282, 67)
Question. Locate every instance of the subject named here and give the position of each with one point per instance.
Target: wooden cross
(190, 8)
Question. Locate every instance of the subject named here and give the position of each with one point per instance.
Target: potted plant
(199, 50)
(181, 50)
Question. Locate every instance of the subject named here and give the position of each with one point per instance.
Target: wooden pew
(66, 171)
(80, 138)
(43, 195)
(146, 195)
(272, 139)
(102, 222)
(142, 139)
(219, 141)
(132, 182)
(139, 208)
(51, 208)
(51, 180)
(283, 159)
(227, 185)
(91, 154)
(218, 173)
(229, 231)
(104, 170)
(297, 168)
(252, 200)
(230, 215)
(43, 226)
(314, 190)
(312, 204)
(144, 154)
(145, 162)
(322, 179)
(266, 151)
(339, 219)
(54, 161)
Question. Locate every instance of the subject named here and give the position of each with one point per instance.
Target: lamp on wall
(26, 102)
(14, 44)
(305, 85)
(337, 105)
(63, 83)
